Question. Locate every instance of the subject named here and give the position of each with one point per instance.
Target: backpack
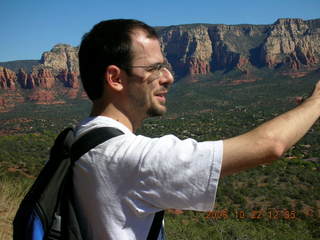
(47, 211)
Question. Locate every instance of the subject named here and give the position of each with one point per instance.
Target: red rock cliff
(188, 49)
(203, 48)
(195, 49)
(293, 43)
(7, 79)
(63, 60)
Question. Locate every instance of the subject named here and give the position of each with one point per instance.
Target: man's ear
(112, 77)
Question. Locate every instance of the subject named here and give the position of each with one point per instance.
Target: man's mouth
(161, 96)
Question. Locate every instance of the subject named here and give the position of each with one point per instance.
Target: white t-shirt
(121, 183)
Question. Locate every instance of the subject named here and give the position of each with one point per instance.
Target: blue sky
(28, 28)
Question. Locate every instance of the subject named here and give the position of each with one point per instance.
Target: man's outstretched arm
(272, 139)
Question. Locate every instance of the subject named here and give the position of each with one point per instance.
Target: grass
(197, 228)
(12, 193)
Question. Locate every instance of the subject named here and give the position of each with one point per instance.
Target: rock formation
(7, 79)
(202, 48)
(57, 68)
(63, 62)
(291, 46)
(61, 57)
(42, 77)
(293, 43)
(188, 50)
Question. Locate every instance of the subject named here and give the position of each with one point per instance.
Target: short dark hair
(108, 43)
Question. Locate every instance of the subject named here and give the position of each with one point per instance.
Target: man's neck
(111, 111)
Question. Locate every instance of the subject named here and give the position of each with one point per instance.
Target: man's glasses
(156, 69)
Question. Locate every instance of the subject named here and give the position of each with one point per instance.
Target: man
(123, 182)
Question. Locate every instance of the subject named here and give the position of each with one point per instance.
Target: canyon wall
(288, 45)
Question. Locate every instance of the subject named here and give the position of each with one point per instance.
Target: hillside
(280, 201)
(18, 64)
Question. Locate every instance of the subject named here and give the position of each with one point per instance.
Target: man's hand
(316, 93)
(301, 99)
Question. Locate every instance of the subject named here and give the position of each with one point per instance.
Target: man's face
(147, 84)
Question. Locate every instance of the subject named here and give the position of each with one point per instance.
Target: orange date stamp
(270, 214)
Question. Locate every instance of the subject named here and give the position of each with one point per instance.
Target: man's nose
(166, 77)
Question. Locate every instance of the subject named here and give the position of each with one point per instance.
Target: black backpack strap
(70, 226)
(156, 226)
(92, 139)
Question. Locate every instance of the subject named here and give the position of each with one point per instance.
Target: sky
(30, 27)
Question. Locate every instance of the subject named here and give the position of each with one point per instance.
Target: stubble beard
(141, 103)
(154, 111)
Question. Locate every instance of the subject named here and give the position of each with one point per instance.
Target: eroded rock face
(69, 79)
(189, 50)
(42, 77)
(292, 42)
(200, 49)
(61, 63)
(192, 50)
(61, 57)
(58, 68)
(7, 79)
(22, 77)
(63, 60)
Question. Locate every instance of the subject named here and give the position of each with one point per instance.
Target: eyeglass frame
(153, 67)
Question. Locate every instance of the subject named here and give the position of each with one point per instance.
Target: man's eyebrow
(154, 65)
